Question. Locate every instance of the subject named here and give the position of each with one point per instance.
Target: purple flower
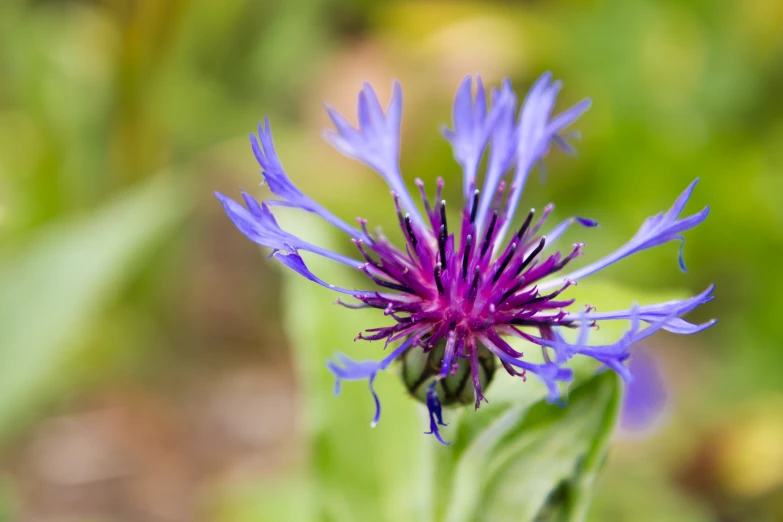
(463, 287)
(646, 395)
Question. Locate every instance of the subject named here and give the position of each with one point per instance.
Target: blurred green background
(145, 370)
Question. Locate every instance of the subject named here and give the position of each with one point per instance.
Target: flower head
(458, 291)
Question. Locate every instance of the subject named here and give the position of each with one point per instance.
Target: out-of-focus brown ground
(154, 449)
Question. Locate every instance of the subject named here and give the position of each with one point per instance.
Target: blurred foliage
(82, 262)
(119, 276)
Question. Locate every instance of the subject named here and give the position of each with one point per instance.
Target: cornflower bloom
(458, 294)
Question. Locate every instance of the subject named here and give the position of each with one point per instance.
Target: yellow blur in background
(145, 372)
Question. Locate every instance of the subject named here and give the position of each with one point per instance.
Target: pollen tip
(587, 222)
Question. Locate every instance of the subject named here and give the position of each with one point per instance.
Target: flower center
(420, 369)
(462, 282)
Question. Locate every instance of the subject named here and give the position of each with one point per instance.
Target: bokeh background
(145, 370)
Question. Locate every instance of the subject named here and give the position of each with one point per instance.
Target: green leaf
(470, 466)
(544, 467)
(54, 286)
(582, 487)
(520, 458)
